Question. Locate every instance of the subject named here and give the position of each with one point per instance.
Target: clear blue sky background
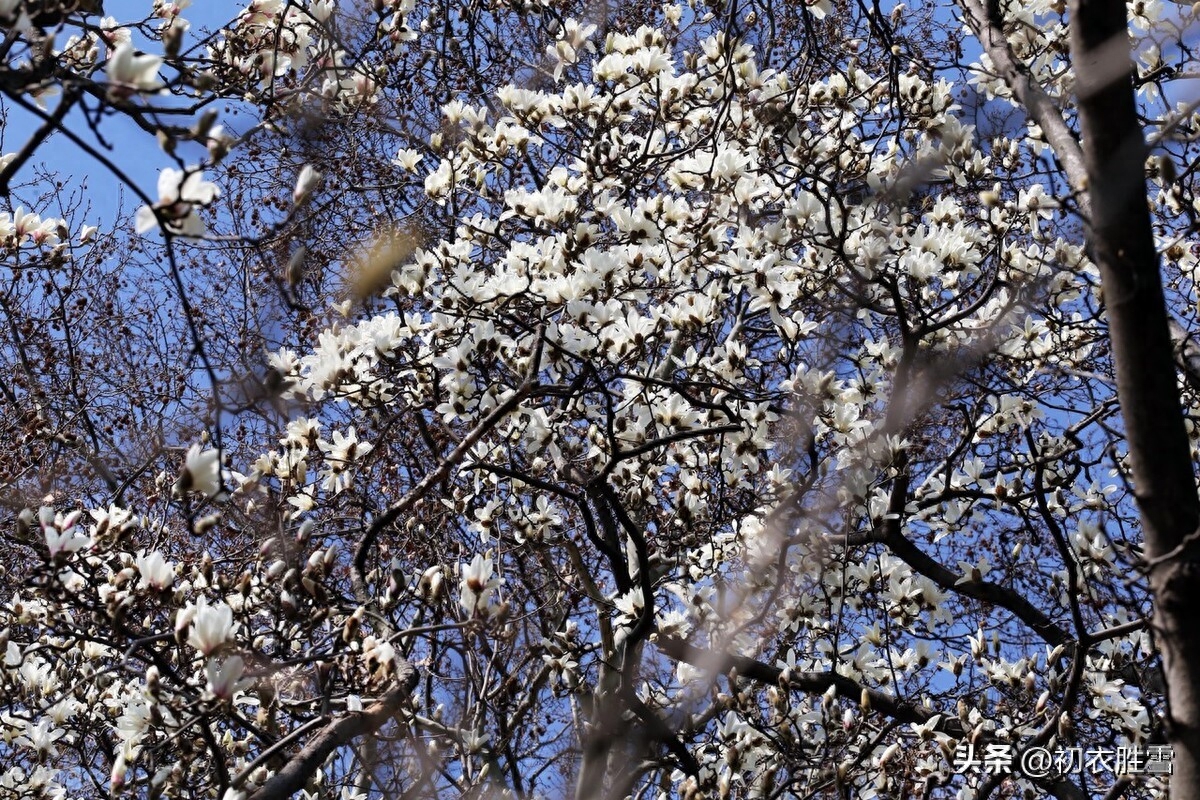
(132, 149)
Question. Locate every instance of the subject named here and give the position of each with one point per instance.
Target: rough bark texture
(1123, 247)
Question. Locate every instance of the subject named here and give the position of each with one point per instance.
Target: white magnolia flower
(212, 626)
(407, 160)
(30, 226)
(321, 10)
(477, 585)
(114, 518)
(219, 143)
(630, 604)
(114, 33)
(819, 8)
(973, 573)
(157, 573)
(65, 541)
(61, 534)
(118, 776)
(344, 448)
(179, 194)
(40, 736)
(129, 73)
(226, 680)
(306, 183)
(380, 656)
(201, 473)
(437, 183)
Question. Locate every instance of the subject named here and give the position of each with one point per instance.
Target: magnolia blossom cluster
(26, 227)
(713, 273)
(270, 39)
(745, 402)
(176, 644)
(180, 196)
(287, 468)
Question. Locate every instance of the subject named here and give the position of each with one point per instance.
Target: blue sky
(128, 146)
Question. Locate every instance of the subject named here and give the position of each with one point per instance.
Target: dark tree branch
(1122, 243)
(342, 731)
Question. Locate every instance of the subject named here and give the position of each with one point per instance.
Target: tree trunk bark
(1123, 248)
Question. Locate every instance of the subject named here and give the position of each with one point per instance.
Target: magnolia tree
(540, 399)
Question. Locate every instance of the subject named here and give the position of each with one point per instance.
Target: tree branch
(342, 731)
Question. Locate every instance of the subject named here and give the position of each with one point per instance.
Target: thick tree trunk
(1123, 247)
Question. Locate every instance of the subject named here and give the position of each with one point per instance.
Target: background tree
(594, 401)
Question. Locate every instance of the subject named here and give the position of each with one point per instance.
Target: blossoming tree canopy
(533, 399)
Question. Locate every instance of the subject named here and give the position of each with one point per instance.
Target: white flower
(927, 730)
(477, 585)
(631, 604)
(973, 573)
(129, 73)
(819, 8)
(201, 473)
(338, 455)
(114, 518)
(157, 573)
(60, 533)
(226, 680)
(673, 623)
(306, 183)
(321, 10)
(380, 657)
(28, 225)
(212, 626)
(437, 183)
(475, 741)
(179, 193)
(1038, 203)
(407, 160)
(113, 33)
(65, 541)
(218, 143)
(117, 777)
(41, 737)
(345, 447)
